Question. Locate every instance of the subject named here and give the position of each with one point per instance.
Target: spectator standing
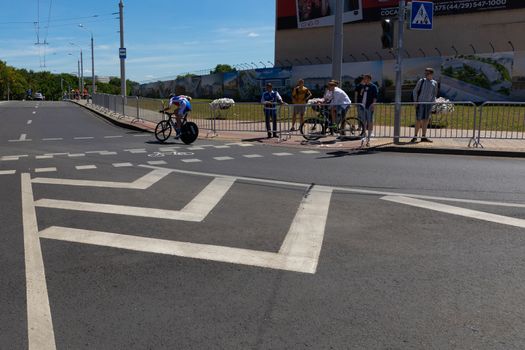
(426, 90)
(366, 94)
(270, 98)
(300, 95)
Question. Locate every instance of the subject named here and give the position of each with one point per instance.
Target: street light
(93, 86)
(81, 69)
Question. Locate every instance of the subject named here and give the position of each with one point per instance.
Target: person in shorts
(366, 94)
(300, 96)
(426, 90)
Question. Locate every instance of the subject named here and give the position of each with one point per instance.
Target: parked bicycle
(321, 125)
(189, 131)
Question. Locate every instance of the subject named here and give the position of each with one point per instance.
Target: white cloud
(253, 35)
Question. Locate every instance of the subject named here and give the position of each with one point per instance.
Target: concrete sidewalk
(504, 148)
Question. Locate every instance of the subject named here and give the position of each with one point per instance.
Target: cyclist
(180, 105)
(340, 102)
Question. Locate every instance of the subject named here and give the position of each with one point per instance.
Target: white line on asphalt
(194, 148)
(53, 139)
(141, 135)
(17, 157)
(44, 157)
(191, 160)
(239, 144)
(305, 236)
(252, 156)
(7, 172)
(23, 137)
(29, 122)
(140, 184)
(169, 149)
(157, 162)
(182, 249)
(474, 214)
(310, 152)
(122, 165)
(223, 158)
(76, 155)
(108, 153)
(282, 154)
(39, 322)
(113, 137)
(34, 112)
(45, 170)
(56, 154)
(220, 147)
(85, 167)
(196, 210)
(134, 151)
(344, 189)
(83, 138)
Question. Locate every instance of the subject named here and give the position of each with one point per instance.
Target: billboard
(292, 14)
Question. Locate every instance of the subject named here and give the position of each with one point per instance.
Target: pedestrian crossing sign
(421, 15)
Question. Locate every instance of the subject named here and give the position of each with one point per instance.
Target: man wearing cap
(270, 98)
(340, 101)
(426, 90)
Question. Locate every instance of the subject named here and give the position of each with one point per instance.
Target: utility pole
(337, 53)
(79, 92)
(399, 72)
(122, 49)
(81, 73)
(93, 85)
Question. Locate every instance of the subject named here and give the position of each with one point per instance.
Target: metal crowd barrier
(501, 120)
(454, 120)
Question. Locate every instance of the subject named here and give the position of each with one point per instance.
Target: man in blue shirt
(180, 105)
(270, 99)
(366, 94)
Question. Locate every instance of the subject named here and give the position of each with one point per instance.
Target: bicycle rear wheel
(312, 129)
(163, 130)
(189, 132)
(352, 128)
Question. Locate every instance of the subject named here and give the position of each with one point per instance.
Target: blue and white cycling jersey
(184, 104)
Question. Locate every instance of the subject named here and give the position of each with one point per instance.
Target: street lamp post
(122, 57)
(81, 69)
(93, 85)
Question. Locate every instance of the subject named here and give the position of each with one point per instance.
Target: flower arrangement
(222, 103)
(443, 106)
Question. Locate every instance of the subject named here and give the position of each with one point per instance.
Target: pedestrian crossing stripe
(422, 16)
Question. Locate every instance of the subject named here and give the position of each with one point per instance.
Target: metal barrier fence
(501, 120)
(454, 120)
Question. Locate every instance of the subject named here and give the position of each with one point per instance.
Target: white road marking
(76, 155)
(141, 135)
(83, 138)
(85, 167)
(113, 137)
(345, 189)
(196, 210)
(220, 147)
(108, 153)
(16, 157)
(252, 156)
(44, 157)
(310, 152)
(45, 170)
(53, 139)
(169, 149)
(56, 154)
(23, 137)
(7, 172)
(282, 154)
(239, 144)
(34, 112)
(157, 162)
(194, 148)
(299, 252)
(135, 151)
(29, 122)
(142, 183)
(122, 165)
(474, 214)
(222, 158)
(191, 160)
(39, 322)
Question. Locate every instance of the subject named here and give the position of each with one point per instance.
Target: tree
(223, 68)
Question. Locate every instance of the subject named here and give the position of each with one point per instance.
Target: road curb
(452, 151)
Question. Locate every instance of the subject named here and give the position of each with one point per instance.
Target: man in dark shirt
(366, 94)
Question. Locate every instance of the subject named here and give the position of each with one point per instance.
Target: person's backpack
(419, 90)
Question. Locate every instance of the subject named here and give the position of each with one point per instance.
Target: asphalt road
(112, 241)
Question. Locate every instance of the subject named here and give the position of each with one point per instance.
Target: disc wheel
(163, 130)
(189, 132)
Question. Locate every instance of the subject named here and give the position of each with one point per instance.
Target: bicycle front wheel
(163, 130)
(312, 129)
(352, 128)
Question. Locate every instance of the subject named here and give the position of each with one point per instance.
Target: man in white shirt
(340, 101)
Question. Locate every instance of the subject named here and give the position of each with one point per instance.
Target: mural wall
(477, 78)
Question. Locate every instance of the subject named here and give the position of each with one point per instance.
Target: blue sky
(163, 38)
